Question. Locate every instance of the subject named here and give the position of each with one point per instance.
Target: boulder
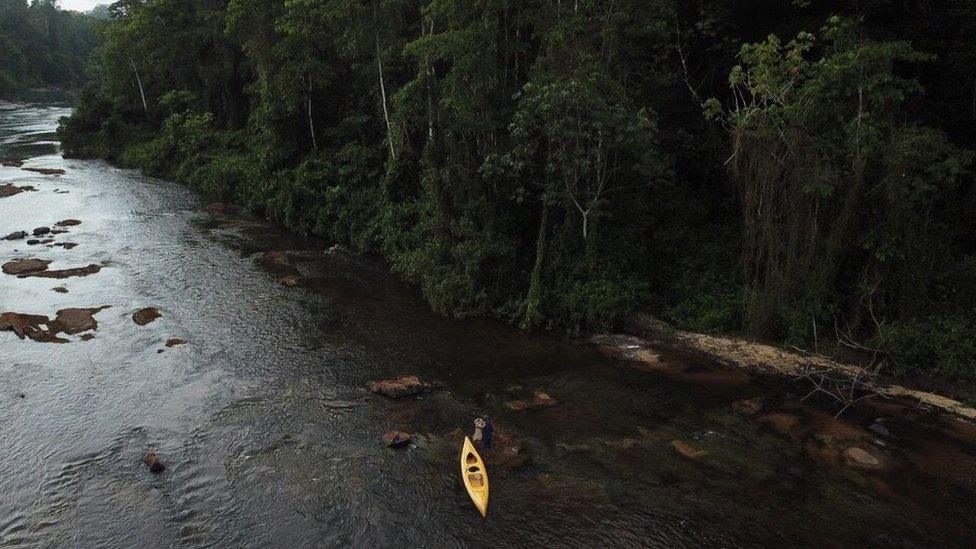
(783, 423)
(41, 231)
(539, 400)
(45, 171)
(748, 406)
(9, 190)
(146, 316)
(22, 325)
(60, 290)
(860, 458)
(396, 439)
(402, 386)
(19, 267)
(170, 343)
(290, 281)
(75, 321)
(687, 450)
(19, 235)
(68, 223)
(65, 273)
(153, 463)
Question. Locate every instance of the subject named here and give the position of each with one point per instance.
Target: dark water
(271, 438)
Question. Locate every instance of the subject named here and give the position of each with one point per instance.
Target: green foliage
(548, 162)
(938, 346)
(41, 45)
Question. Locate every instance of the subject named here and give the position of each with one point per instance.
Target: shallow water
(271, 439)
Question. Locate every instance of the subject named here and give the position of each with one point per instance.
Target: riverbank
(643, 334)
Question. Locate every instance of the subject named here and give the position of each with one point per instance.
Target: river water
(271, 438)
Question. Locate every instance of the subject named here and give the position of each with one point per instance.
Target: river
(271, 438)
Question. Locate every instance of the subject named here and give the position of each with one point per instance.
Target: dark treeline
(41, 45)
(794, 170)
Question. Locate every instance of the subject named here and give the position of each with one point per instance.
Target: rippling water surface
(271, 439)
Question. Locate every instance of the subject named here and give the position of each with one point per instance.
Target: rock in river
(75, 321)
(68, 223)
(539, 400)
(749, 406)
(45, 171)
(861, 458)
(41, 231)
(396, 439)
(146, 316)
(153, 463)
(687, 450)
(21, 324)
(9, 190)
(65, 273)
(402, 386)
(24, 266)
(19, 235)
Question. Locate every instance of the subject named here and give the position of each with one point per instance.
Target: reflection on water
(271, 439)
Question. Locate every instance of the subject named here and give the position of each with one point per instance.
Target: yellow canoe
(475, 476)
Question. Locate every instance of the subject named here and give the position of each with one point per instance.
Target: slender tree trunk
(386, 111)
(142, 91)
(311, 122)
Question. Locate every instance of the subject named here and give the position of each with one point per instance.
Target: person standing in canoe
(483, 431)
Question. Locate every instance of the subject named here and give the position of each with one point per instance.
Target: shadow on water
(271, 438)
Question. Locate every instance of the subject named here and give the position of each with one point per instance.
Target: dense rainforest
(798, 171)
(42, 45)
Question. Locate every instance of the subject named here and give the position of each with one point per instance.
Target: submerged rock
(12, 163)
(19, 235)
(45, 171)
(396, 439)
(9, 190)
(24, 266)
(290, 281)
(402, 386)
(153, 463)
(539, 400)
(783, 423)
(75, 321)
(146, 316)
(65, 273)
(687, 450)
(749, 406)
(861, 459)
(22, 325)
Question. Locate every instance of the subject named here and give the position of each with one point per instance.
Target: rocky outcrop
(8, 190)
(396, 439)
(539, 400)
(20, 267)
(748, 406)
(75, 321)
(65, 273)
(687, 450)
(859, 458)
(45, 171)
(403, 386)
(146, 316)
(22, 325)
